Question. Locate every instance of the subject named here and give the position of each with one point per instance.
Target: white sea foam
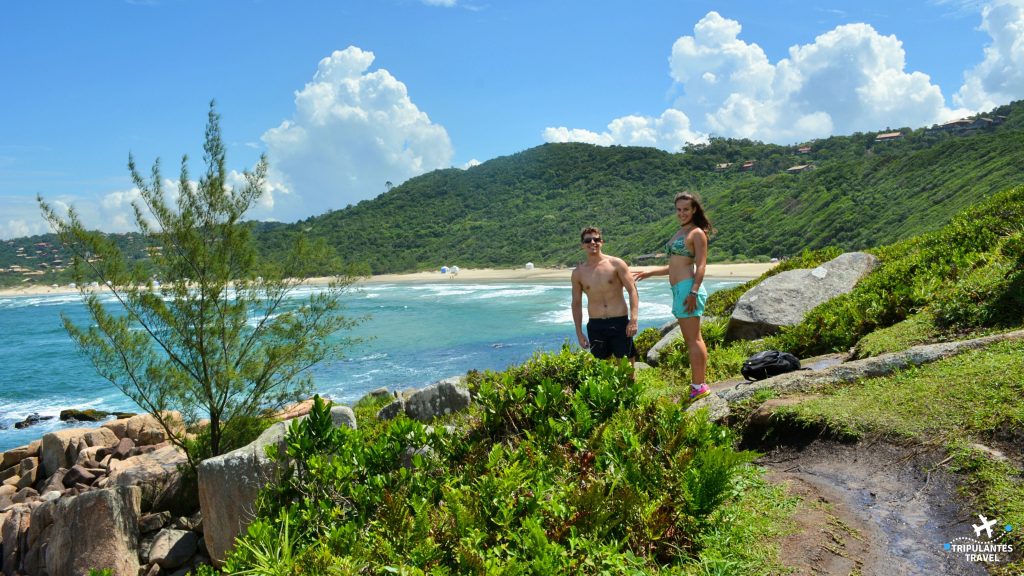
(651, 310)
(515, 292)
(253, 321)
(369, 357)
(561, 316)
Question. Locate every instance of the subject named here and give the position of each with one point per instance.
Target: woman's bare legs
(696, 349)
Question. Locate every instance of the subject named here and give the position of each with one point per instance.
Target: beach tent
(455, 269)
(529, 265)
(444, 269)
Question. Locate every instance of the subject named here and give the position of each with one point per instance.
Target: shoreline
(744, 271)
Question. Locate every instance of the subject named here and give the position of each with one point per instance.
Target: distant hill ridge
(854, 192)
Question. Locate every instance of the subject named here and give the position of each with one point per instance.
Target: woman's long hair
(700, 219)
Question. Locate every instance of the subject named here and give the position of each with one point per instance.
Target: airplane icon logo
(985, 525)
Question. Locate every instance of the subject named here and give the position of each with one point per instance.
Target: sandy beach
(718, 271)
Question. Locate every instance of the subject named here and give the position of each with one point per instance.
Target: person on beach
(610, 326)
(687, 261)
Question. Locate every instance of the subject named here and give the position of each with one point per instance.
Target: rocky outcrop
(60, 449)
(654, 354)
(54, 521)
(143, 429)
(89, 415)
(439, 399)
(158, 474)
(71, 535)
(784, 299)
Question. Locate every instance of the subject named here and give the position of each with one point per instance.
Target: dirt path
(871, 509)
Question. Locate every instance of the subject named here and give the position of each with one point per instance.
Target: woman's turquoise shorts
(679, 293)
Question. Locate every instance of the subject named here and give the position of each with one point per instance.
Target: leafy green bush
(992, 294)
(556, 396)
(563, 470)
(646, 340)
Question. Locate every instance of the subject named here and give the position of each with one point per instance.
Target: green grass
(975, 394)
(994, 486)
(745, 533)
(917, 329)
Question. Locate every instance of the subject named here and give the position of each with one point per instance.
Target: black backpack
(769, 363)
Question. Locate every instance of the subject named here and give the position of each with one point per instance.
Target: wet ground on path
(871, 509)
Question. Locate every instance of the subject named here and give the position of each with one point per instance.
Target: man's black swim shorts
(608, 337)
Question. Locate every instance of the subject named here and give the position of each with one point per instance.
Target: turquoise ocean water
(416, 334)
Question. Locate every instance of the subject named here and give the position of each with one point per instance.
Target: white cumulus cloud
(999, 78)
(670, 131)
(353, 130)
(849, 79)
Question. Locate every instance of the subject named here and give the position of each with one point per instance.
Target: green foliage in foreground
(562, 470)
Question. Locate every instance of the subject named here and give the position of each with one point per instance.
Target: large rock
(158, 475)
(343, 416)
(15, 456)
(392, 410)
(172, 548)
(13, 535)
(60, 449)
(228, 486)
(144, 429)
(438, 399)
(96, 529)
(654, 354)
(784, 299)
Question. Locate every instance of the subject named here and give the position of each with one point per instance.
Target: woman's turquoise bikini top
(678, 247)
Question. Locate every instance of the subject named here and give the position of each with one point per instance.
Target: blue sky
(345, 96)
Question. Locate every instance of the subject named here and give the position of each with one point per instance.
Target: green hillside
(530, 206)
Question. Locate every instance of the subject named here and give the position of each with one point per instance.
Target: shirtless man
(610, 330)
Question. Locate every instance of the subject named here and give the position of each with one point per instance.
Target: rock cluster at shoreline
(113, 496)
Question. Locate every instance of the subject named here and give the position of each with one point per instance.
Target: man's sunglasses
(592, 240)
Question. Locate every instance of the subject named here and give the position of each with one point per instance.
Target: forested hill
(861, 191)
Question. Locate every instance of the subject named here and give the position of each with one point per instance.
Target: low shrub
(646, 340)
(562, 470)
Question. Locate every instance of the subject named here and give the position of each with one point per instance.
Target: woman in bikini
(687, 260)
